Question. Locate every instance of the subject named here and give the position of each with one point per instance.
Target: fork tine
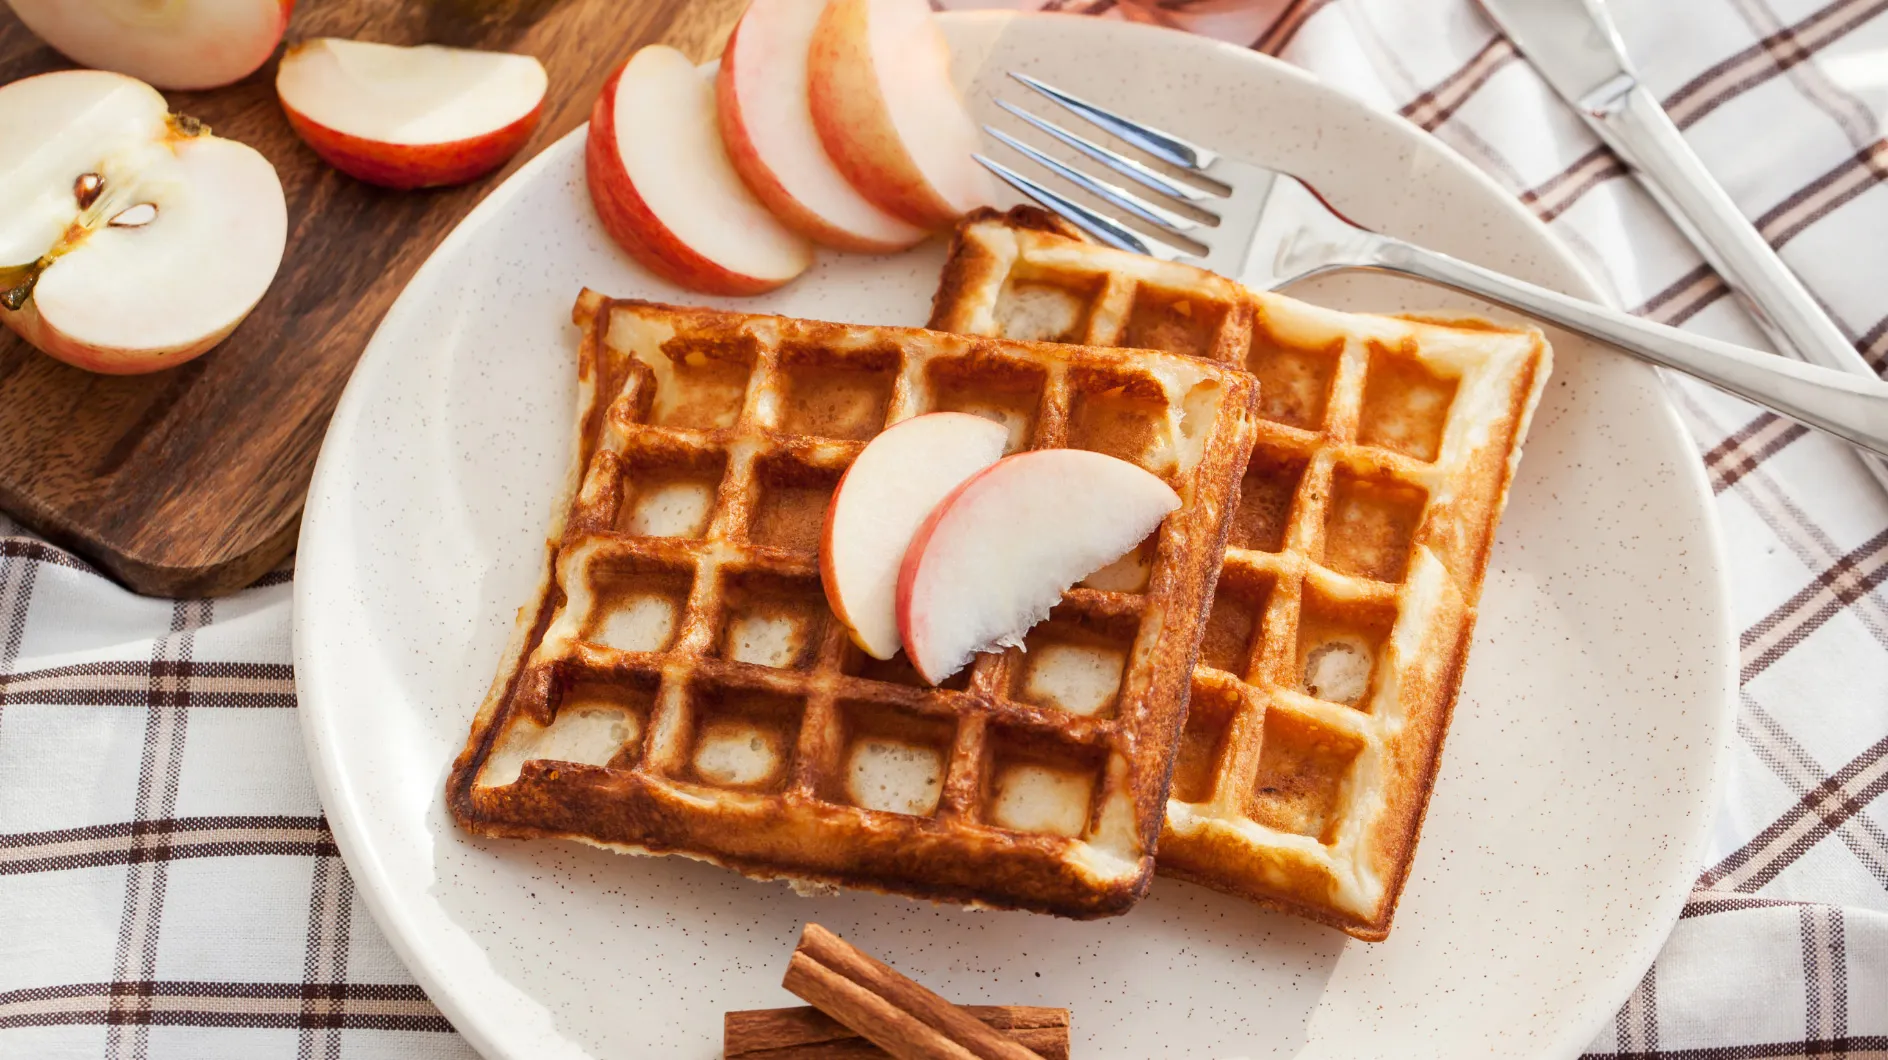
(1120, 163)
(1108, 231)
(1113, 194)
(1162, 145)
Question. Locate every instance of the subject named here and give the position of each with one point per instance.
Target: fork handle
(1848, 406)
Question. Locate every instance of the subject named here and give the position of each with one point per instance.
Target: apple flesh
(997, 554)
(887, 493)
(879, 88)
(767, 125)
(180, 44)
(410, 117)
(130, 239)
(665, 190)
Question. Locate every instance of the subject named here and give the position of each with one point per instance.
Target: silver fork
(1267, 229)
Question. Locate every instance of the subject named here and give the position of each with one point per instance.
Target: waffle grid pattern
(1342, 615)
(683, 686)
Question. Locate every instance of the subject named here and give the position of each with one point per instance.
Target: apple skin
(974, 441)
(635, 227)
(908, 570)
(29, 325)
(407, 166)
(203, 75)
(762, 180)
(855, 124)
(828, 577)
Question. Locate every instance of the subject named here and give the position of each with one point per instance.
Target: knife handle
(1637, 128)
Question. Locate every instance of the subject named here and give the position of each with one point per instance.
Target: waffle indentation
(836, 398)
(891, 760)
(741, 738)
(1209, 723)
(1043, 311)
(996, 388)
(1406, 406)
(792, 506)
(1294, 383)
(1265, 499)
(1040, 784)
(1370, 526)
(1302, 766)
(595, 723)
(1239, 604)
(1340, 647)
(769, 620)
(1073, 665)
(1174, 321)
(637, 604)
(669, 492)
(705, 384)
(1123, 415)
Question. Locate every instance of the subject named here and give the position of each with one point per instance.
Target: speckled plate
(1575, 790)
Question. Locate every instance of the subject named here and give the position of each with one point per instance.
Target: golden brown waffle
(679, 685)
(1343, 611)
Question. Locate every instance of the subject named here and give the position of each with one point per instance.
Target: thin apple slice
(667, 193)
(131, 239)
(410, 117)
(768, 127)
(880, 91)
(181, 44)
(881, 501)
(996, 555)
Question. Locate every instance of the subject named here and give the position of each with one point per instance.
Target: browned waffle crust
(1341, 620)
(678, 684)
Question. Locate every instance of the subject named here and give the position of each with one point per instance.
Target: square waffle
(679, 685)
(1341, 619)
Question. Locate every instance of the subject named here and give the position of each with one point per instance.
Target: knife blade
(1576, 48)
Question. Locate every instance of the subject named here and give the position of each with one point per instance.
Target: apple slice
(182, 44)
(879, 87)
(130, 238)
(410, 117)
(881, 501)
(665, 190)
(768, 127)
(996, 555)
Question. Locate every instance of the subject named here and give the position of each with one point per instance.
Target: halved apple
(130, 238)
(182, 44)
(881, 501)
(768, 127)
(879, 87)
(410, 117)
(665, 190)
(996, 555)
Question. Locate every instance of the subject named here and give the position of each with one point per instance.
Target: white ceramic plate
(1574, 793)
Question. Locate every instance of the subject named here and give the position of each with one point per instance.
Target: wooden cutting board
(190, 481)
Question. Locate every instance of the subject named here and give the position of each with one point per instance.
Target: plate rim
(322, 743)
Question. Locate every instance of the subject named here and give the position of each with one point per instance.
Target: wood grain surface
(190, 481)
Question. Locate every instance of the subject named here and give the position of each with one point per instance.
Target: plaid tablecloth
(168, 887)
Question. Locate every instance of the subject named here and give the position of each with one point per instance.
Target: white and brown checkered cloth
(168, 887)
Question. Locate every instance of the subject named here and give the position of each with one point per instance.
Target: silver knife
(1575, 47)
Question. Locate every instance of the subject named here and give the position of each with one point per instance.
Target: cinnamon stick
(809, 1034)
(887, 1009)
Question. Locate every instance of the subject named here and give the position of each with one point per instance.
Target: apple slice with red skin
(891, 487)
(665, 190)
(879, 88)
(997, 554)
(180, 44)
(410, 117)
(130, 238)
(767, 124)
